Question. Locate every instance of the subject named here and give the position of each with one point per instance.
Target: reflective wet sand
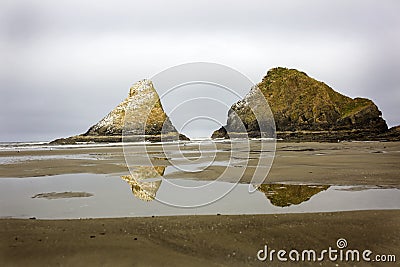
(347, 163)
(314, 194)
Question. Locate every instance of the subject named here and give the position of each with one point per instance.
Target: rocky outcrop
(393, 134)
(307, 109)
(140, 115)
(249, 116)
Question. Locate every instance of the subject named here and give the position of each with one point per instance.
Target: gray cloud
(66, 64)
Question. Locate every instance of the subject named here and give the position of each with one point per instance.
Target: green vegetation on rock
(300, 103)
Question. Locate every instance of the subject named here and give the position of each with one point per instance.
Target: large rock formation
(140, 114)
(307, 109)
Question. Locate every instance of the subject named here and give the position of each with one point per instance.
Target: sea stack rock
(305, 109)
(142, 97)
(141, 111)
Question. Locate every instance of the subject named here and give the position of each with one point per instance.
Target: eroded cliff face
(141, 114)
(300, 103)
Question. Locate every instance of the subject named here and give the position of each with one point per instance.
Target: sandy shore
(206, 240)
(347, 163)
(194, 240)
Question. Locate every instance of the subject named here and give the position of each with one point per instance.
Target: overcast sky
(66, 64)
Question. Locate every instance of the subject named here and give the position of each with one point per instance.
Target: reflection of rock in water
(140, 188)
(283, 195)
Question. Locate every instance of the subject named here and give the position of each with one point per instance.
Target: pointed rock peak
(141, 86)
(142, 111)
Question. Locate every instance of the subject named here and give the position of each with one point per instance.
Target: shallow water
(184, 175)
(91, 195)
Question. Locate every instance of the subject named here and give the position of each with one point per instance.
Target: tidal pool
(94, 195)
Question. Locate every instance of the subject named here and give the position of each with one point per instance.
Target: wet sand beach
(194, 240)
(345, 163)
(300, 171)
